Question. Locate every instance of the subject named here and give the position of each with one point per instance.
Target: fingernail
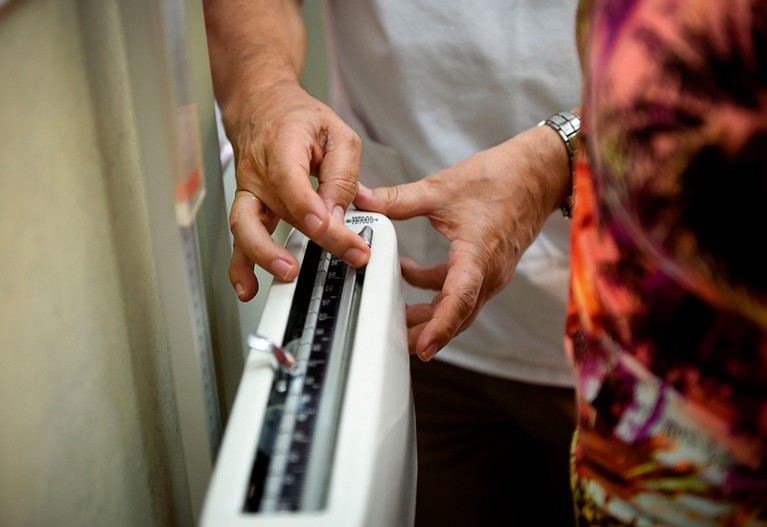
(312, 221)
(239, 289)
(354, 257)
(427, 355)
(338, 212)
(282, 269)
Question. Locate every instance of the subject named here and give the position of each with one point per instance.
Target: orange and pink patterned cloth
(667, 327)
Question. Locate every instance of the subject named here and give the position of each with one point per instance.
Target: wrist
(537, 158)
(567, 125)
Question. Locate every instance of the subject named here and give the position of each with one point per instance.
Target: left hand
(491, 206)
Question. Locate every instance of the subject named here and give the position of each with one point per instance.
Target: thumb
(400, 202)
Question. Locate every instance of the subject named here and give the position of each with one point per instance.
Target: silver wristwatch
(567, 124)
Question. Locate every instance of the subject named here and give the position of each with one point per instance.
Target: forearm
(252, 44)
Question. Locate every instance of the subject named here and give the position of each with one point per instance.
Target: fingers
(455, 307)
(320, 218)
(400, 202)
(417, 314)
(339, 170)
(251, 225)
(289, 136)
(460, 284)
(412, 337)
(425, 278)
(330, 233)
(432, 326)
(241, 275)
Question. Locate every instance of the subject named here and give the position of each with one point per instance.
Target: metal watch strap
(567, 124)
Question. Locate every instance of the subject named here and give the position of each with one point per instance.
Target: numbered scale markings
(295, 452)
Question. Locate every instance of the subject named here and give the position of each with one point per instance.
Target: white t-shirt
(429, 83)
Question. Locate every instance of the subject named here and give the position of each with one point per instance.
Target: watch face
(567, 125)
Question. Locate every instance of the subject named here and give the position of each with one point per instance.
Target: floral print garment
(667, 326)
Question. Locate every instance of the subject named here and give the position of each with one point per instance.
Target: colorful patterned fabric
(667, 327)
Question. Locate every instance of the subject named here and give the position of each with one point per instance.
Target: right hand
(281, 136)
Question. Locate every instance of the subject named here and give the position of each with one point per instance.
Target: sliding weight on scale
(295, 451)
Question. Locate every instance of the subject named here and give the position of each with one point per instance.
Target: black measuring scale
(295, 450)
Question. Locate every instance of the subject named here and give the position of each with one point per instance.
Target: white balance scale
(322, 429)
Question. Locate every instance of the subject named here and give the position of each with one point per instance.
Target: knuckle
(392, 197)
(236, 219)
(466, 299)
(254, 164)
(353, 139)
(347, 187)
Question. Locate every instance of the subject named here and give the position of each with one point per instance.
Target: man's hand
(282, 136)
(491, 207)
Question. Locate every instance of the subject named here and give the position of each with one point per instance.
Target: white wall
(315, 76)
(89, 427)
(90, 433)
